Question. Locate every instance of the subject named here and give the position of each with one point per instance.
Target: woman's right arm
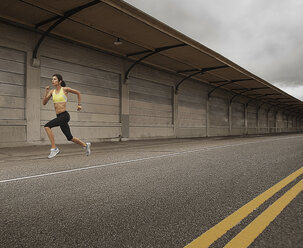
(47, 95)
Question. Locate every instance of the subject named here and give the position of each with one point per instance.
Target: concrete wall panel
(237, 116)
(11, 90)
(12, 95)
(13, 133)
(272, 122)
(192, 110)
(192, 106)
(150, 109)
(218, 112)
(263, 120)
(218, 131)
(12, 102)
(252, 117)
(11, 78)
(191, 132)
(151, 132)
(11, 114)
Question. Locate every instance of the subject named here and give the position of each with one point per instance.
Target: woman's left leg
(78, 141)
(66, 130)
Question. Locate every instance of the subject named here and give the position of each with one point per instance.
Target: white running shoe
(87, 148)
(54, 152)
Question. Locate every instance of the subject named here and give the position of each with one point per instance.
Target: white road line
(139, 159)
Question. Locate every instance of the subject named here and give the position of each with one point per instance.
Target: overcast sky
(263, 36)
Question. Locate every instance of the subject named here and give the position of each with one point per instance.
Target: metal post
(296, 123)
(245, 118)
(175, 112)
(207, 116)
(276, 116)
(229, 118)
(124, 107)
(268, 129)
(258, 120)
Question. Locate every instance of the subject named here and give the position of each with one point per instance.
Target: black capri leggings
(62, 121)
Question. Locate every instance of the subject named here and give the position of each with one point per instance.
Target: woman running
(59, 95)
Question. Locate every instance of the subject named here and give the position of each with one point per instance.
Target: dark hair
(60, 78)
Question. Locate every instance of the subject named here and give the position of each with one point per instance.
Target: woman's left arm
(67, 89)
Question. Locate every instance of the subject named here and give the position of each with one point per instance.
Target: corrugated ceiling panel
(117, 22)
(18, 10)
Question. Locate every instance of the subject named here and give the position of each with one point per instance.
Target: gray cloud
(264, 37)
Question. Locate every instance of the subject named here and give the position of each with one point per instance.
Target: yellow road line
(210, 236)
(256, 227)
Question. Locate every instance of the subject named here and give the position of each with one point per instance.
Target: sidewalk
(41, 151)
(30, 152)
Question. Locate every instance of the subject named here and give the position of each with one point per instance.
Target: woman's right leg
(53, 123)
(48, 129)
(54, 150)
(50, 136)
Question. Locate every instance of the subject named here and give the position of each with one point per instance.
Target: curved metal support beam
(289, 110)
(260, 96)
(247, 90)
(280, 98)
(280, 106)
(292, 114)
(157, 50)
(228, 82)
(274, 103)
(238, 94)
(219, 81)
(256, 98)
(188, 77)
(271, 107)
(289, 107)
(47, 21)
(63, 18)
(201, 71)
(259, 107)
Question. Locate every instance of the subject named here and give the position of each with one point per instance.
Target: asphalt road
(161, 193)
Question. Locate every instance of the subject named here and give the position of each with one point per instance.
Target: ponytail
(60, 78)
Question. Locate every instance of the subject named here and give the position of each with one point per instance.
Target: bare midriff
(60, 107)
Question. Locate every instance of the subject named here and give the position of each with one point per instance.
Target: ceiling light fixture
(118, 42)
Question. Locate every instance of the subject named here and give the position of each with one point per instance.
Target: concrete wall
(252, 120)
(238, 119)
(192, 110)
(150, 109)
(218, 113)
(144, 106)
(12, 95)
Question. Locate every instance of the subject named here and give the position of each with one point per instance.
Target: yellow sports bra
(60, 97)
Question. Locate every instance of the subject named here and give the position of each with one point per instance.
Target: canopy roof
(144, 39)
